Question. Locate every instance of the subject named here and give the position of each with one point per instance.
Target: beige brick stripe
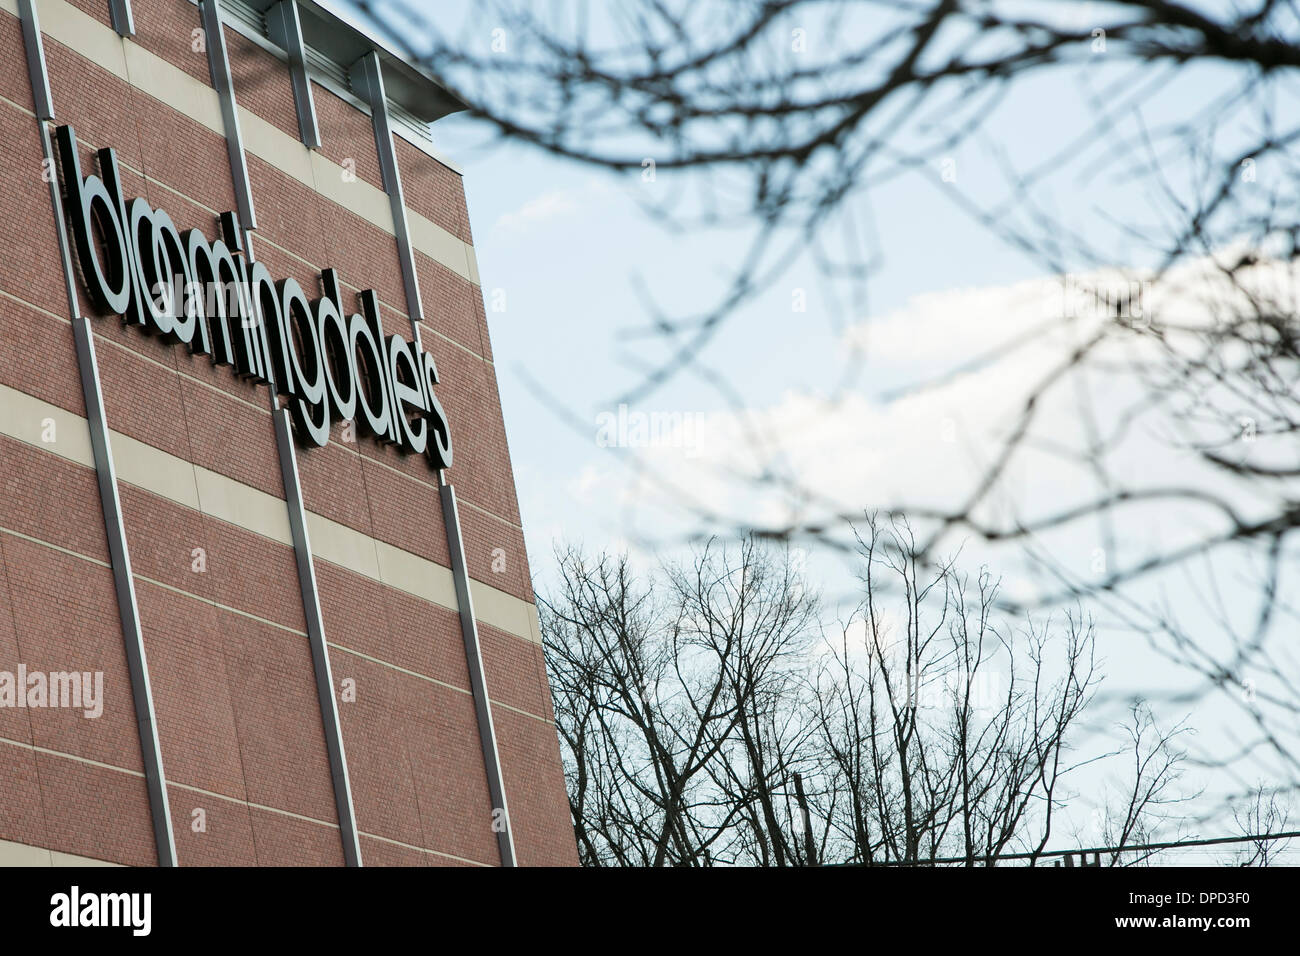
(171, 85)
(24, 418)
(20, 854)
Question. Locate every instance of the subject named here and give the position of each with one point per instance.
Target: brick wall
(241, 735)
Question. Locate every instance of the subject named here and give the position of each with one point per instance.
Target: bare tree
(1264, 811)
(788, 113)
(705, 721)
(782, 117)
(671, 708)
(1156, 762)
(951, 734)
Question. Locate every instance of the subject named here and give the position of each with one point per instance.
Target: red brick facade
(240, 726)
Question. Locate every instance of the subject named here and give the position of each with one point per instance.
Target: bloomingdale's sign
(208, 296)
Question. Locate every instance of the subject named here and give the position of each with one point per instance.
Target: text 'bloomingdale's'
(136, 264)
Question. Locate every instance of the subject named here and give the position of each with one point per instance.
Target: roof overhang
(336, 30)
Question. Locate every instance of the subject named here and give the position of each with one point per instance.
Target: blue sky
(569, 251)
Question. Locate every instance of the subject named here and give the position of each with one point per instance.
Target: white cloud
(591, 481)
(929, 448)
(539, 209)
(552, 205)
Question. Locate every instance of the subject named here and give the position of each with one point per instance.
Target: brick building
(313, 651)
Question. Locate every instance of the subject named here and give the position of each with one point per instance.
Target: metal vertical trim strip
(123, 20)
(36, 69)
(368, 75)
(219, 64)
(284, 25)
(316, 638)
(124, 585)
(219, 69)
(105, 470)
(477, 677)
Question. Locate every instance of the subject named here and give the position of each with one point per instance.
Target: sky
(568, 255)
